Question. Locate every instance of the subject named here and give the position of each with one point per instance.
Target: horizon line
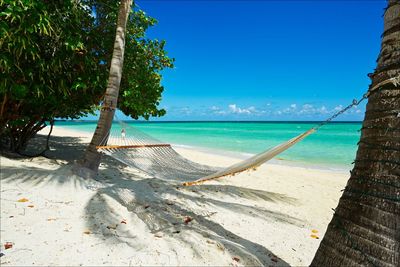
(238, 121)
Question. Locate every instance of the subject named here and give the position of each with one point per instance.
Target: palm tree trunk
(90, 163)
(365, 228)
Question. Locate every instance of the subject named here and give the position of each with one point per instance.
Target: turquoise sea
(334, 145)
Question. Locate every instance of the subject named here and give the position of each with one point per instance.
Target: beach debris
(210, 242)
(237, 259)
(187, 219)
(11, 216)
(314, 236)
(123, 221)
(8, 245)
(273, 257)
(176, 232)
(220, 246)
(23, 200)
(51, 219)
(1, 254)
(87, 232)
(170, 203)
(314, 232)
(30, 206)
(158, 235)
(112, 227)
(147, 206)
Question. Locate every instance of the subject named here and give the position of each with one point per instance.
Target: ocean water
(334, 145)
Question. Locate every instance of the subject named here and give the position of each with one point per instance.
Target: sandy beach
(274, 216)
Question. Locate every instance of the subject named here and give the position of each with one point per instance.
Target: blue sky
(266, 60)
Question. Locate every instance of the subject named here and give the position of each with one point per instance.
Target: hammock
(160, 160)
(141, 151)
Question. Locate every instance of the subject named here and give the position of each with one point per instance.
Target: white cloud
(322, 110)
(306, 109)
(338, 108)
(220, 112)
(217, 110)
(307, 106)
(186, 110)
(233, 108)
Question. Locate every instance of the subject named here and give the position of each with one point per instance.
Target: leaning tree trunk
(365, 228)
(91, 159)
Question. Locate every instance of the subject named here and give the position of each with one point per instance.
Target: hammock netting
(136, 149)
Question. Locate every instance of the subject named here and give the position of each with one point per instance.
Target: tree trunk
(90, 163)
(365, 228)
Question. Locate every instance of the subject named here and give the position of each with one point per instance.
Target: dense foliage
(54, 63)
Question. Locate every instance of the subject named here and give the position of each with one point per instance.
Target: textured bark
(91, 159)
(365, 228)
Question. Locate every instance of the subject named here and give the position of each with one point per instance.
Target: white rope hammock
(141, 151)
(160, 160)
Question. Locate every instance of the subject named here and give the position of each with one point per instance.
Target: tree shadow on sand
(162, 207)
(64, 151)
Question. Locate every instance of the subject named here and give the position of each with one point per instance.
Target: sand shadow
(160, 206)
(152, 202)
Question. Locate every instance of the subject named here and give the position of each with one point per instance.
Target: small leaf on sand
(30, 206)
(23, 200)
(187, 220)
(236, 259)
(87, 232)
(314, 231)
(8, 245)
(220, 246)
(315, 236)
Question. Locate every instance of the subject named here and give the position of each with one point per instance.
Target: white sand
(259, 218)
